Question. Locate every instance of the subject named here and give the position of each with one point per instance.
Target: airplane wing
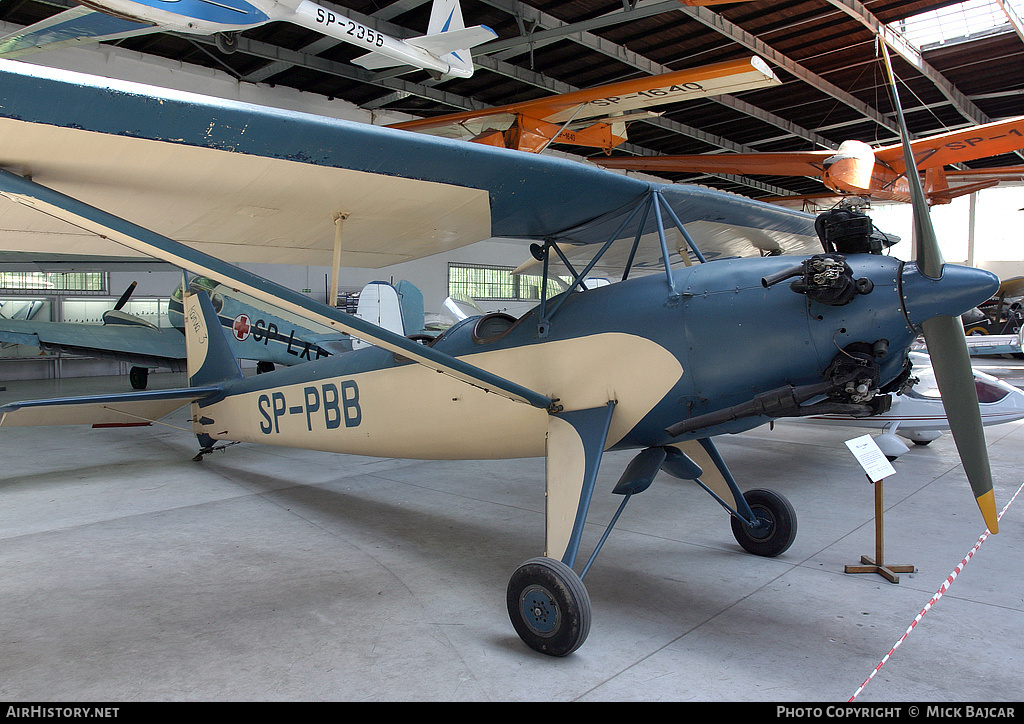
(989, 139)
(72, 27)
(251, 184)
(137, 345)
(805, 163)
(986, 344)
(972, 143)
(607, 101)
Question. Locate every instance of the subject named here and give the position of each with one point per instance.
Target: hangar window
(492, 283)
(76, 281)
(959, 22)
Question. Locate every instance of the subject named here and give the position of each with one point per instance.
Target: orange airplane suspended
(594, 117)
(857, 168)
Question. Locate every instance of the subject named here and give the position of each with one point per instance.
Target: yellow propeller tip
(987, 503)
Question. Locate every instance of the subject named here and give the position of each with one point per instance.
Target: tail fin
(208, 356)
(411, 303)
(379, 303)
(445, 15)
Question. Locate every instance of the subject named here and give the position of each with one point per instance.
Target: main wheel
(139, 377)
(549, 606)
(777, 530)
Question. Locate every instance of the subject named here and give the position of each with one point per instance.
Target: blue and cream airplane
(255, 330)
(444, 50)
(752, 320)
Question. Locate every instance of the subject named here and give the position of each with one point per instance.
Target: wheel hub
(540, 612)
(764, 527)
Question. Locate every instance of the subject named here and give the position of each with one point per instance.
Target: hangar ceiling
(824, 52)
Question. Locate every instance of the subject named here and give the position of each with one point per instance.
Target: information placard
(870, 457)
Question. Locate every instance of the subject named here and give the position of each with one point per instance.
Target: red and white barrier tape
(938, 594)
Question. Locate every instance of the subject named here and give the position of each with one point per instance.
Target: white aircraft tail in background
(448, 41)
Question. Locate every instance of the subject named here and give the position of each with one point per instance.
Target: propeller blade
(926, 244)
(946, 341)
(127, 294)
(952, 366)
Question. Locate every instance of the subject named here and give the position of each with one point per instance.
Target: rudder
(208, 356)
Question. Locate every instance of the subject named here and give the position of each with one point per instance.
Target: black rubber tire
(549, 606)
(780, 533)
(138, 377)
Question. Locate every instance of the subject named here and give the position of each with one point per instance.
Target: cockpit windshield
(928, 388)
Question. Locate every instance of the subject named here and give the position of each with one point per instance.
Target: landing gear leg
(549, 606)
(547, 602)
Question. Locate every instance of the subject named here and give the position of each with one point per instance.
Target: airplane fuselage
(204, 17)
(254, 333)
(662, 359)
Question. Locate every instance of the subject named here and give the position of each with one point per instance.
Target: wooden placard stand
(877, 564)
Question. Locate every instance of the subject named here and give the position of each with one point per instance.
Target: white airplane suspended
(444, 50)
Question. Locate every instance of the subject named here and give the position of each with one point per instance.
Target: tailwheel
(777, 524)
(549, 606)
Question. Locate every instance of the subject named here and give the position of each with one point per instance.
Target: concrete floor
(131, 573)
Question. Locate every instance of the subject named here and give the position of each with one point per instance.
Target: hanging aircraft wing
(72, 27)
(251, 184)
(798, 163)
(549, 119)
(968, 144)
(991, 139)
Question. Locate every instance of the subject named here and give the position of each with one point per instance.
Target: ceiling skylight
(957, 23)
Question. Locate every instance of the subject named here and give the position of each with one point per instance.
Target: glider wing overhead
(71, 27)
(989, 139)
(593, 117)
(807, 163)
(251, 184)
(856, 167)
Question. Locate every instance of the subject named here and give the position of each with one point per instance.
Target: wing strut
(654, 200)
(148, 242)
(578, 278)
(682, 229)
(575, 445)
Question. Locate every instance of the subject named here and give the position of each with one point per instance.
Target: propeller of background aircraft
(125, 296)
(946, 342)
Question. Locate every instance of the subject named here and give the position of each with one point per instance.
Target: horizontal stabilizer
(71, 27)
(124, 408)
(453, 40)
